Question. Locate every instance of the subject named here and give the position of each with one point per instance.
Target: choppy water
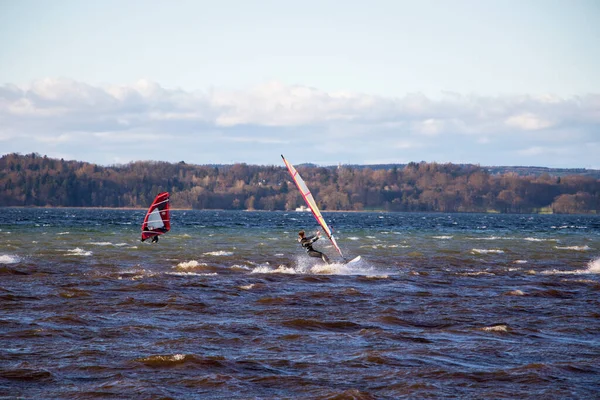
(227, 305)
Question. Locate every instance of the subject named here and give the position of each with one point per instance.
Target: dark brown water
(227, 305)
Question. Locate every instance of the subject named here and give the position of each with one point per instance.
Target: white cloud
(430, 126)
(275, 104)
(406, 145)
(528, 122)
(533, 151)
(547, 151)
(62, 138)
(131, 137)
(255, 140)
(249, 125)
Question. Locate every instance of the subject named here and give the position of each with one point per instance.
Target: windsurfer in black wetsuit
(307, 242)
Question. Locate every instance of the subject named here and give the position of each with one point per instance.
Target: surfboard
(355, 259)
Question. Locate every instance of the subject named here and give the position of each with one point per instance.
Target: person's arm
(307, 240)
(314, 238)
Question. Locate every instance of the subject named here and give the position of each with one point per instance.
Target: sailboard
(158, 218)
(355, 259)
(310, 202)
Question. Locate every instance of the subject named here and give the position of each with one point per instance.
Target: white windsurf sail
(310, 202)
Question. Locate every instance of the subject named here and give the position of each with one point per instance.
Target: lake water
(227, 305)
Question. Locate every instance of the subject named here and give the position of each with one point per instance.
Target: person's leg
(318, 254)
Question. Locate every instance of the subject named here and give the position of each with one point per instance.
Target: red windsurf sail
(158, 217)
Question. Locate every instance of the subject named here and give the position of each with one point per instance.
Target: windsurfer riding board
(307, 243)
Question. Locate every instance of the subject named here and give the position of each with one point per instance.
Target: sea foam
(108, 244)
(486, 251)
(282, 269)
(532, 239)
(8, 259)
(306, 266)
(576, 248)
(496, 328)
(593, 267)
(187, 273)
(219, 253)
(190, 264)
(79, 252)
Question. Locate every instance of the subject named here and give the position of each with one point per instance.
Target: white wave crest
(576, 248)
(377, 276)
(174, 357)
(495, 328)
(520, 262)
(282, 269)
(594, 266)
(329, 269)
(587, 281)
(247, 287)
(79, 252)
(8, 259)
(219, 253)
(443, 237)
(136, 274)
(307, 266)
(478, 273)
(532, 239)
(487, 251)
(108, 244)
(384, 246)
(496, 238)
(187, 273)
(190, 264)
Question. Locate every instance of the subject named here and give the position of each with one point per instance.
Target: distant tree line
(35, 180)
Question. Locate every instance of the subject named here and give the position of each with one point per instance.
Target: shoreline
(94, 208)
(544, 212)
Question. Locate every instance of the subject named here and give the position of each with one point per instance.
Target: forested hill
(498, 170)
(35, 180)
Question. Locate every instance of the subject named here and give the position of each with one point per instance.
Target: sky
(325, 82)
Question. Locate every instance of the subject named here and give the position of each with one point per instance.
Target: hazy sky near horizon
(385, 81)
